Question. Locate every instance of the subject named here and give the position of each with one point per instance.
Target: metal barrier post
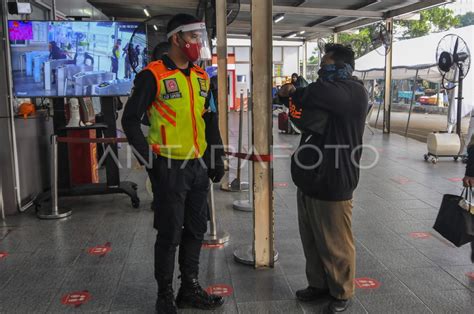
(214, 236)
(55, 212)
(2, 209)
(237, 185)
(246, 205)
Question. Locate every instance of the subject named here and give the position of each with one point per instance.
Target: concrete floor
(411, 268)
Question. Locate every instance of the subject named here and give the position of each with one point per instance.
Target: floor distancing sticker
(101, 250)
(455, 179)
(76, 299)
(3, 255)
(367, 283)
(220, 289)
(470, 275)
(281, 184)
(401, 180)
(212, 246)
(420, 235)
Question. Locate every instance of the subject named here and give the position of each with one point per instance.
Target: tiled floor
(396, 201)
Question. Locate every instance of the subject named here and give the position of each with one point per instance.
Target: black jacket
(470, 159)
(332, 119)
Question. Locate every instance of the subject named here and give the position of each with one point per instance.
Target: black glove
(216, 174)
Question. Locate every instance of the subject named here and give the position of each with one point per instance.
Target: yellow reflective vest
(177, 127)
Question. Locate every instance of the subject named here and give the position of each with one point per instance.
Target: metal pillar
(221, 23)
(55, 212)
(412, 100)
(388, 80)
(214, 236)
(336, 38)
(262, 56)
(2, 208)
(237, 184)
(11, 112)
(53, 10)
(246, 205)
(305, 59)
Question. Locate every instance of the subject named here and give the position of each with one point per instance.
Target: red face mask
(192, 51)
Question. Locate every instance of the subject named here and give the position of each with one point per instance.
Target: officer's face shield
(195, 41)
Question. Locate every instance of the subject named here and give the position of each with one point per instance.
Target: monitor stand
(108, 128)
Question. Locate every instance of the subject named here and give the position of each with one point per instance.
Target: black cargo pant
(180, 189)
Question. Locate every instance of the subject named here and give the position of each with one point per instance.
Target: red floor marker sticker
(212, 246)
(401, 180)
(3, 255)
(420, 235)
(281, 184)
(222, 290)
(76, 299)
(367, 283)
(455, 179)
(100, 250)
(470, 275)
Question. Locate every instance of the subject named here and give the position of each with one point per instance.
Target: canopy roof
(317, 18)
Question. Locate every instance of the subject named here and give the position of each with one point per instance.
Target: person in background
(128, 54)
(298, 80)
(116, 57)
(468, 180)
(294, 79)
(55, 53)
(160, 50)
(331, 113)
(144, 57)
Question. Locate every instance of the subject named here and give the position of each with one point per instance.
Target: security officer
(183, 134)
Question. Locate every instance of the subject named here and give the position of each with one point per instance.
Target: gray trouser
(328, 244)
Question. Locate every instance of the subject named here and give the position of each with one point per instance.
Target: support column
(387, 104)
(336, 38)
(262, 56)
(53, 10)
(412, 101)
(305, 59)
(221, 19)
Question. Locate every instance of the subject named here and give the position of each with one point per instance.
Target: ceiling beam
(364, 5)
(417, 6)
(355, 24)
(238, 24)
(183, 4)
(318, 11)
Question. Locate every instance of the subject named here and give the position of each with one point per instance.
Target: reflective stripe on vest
(177, 128)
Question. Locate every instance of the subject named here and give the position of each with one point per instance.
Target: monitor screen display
(74, 58)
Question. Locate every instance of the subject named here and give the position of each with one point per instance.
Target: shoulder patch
(171, 85)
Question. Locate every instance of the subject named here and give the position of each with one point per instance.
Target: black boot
(191, 295)
(165, 303)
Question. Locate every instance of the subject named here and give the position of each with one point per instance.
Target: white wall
(243, 69)
(290, 60)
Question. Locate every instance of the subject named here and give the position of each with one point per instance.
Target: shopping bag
(453, 221)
